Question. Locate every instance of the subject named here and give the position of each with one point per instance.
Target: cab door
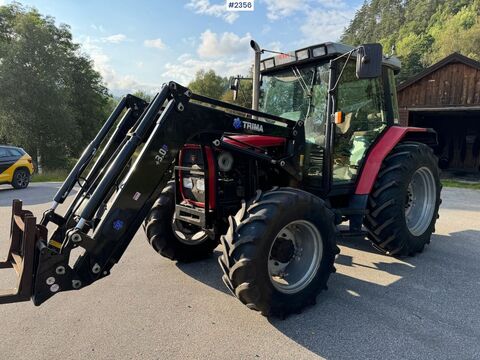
(362, 103)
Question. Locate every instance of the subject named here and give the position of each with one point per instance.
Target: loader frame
(174, 117)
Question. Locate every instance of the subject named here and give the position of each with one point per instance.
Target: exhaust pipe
(256, 74)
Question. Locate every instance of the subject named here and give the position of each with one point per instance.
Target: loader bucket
(24, 233)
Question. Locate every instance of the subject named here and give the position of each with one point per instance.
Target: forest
(419, 32)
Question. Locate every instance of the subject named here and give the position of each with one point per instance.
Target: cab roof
(317, 52)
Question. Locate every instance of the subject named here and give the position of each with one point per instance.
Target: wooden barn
(446, 97)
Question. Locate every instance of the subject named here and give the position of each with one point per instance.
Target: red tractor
(321, 146)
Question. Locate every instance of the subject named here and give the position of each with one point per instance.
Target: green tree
(143, 95)
(52, 102)
(208, 83)
(424, 31)
(456, 33)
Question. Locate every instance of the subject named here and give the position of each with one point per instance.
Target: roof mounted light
(319, 51)
(268, 63)
(302, 54)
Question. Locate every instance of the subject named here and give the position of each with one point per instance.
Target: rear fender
(380, 150)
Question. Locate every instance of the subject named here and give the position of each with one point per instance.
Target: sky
(139, 45)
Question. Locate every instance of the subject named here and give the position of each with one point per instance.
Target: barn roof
(450, 59)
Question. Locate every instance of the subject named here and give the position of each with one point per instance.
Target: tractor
(321, 146)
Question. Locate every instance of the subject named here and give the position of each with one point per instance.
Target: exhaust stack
(256, 74)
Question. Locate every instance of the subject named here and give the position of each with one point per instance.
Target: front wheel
(279, 251)
(173, 239)
(403, 205)
(21, 179)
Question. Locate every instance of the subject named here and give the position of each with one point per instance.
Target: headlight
(200, 184)
(187, 183)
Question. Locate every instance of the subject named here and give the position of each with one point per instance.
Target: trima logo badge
(118, 224)
(247, 125)
(237, 123)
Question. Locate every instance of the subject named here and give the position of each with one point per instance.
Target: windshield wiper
(302, 82)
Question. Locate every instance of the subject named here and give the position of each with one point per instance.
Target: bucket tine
(21, 255)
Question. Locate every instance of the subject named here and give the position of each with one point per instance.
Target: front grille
(192, 183)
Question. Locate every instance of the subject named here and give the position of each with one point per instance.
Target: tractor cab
(296, 86)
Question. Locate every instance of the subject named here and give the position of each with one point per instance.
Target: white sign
(248, 5)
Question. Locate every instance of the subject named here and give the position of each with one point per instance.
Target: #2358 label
(248, 5)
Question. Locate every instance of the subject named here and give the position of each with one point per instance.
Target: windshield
(295, 93)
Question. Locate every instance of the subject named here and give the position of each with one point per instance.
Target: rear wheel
(403, 205)
(279, 251)
(175, 239)
(21, 179)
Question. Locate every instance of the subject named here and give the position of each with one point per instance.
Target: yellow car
(16, 167)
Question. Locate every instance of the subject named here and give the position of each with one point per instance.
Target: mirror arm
(332, 90)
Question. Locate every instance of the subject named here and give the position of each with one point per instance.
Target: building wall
(447, 100)
(454, 84)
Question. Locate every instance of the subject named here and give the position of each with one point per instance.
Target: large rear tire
(279, 251)
(176, 240)
(403, 205)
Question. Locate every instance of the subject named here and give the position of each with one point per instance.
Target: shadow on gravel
(380, 307)
(36, 193)
(206, 271)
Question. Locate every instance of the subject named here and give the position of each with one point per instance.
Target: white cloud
(277, 9)
(333, 4)
(227, 44)
(217, 10)
(99, 28)
(275, 46)
(2, 2)
(114, 39)
(118, 84)
(184, 71)
(325, 25)
(154, 43)
(184, 57)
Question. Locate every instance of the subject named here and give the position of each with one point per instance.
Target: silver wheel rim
(186, 236)
(420, 201)
(22, 179)
(295, 256)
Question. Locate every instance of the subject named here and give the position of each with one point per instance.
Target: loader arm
(115, 196)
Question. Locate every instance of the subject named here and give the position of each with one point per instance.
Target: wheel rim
(420, 201)
(188, 234)
(295, 256)
(22, 179)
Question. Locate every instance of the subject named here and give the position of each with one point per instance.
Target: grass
(50, 175)
(461, 184)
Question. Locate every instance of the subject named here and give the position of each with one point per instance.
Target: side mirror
(235, 86)
(369, 61)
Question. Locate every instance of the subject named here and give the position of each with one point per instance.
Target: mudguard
(390, 138)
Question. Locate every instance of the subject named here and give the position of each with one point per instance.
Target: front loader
(271, 184)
